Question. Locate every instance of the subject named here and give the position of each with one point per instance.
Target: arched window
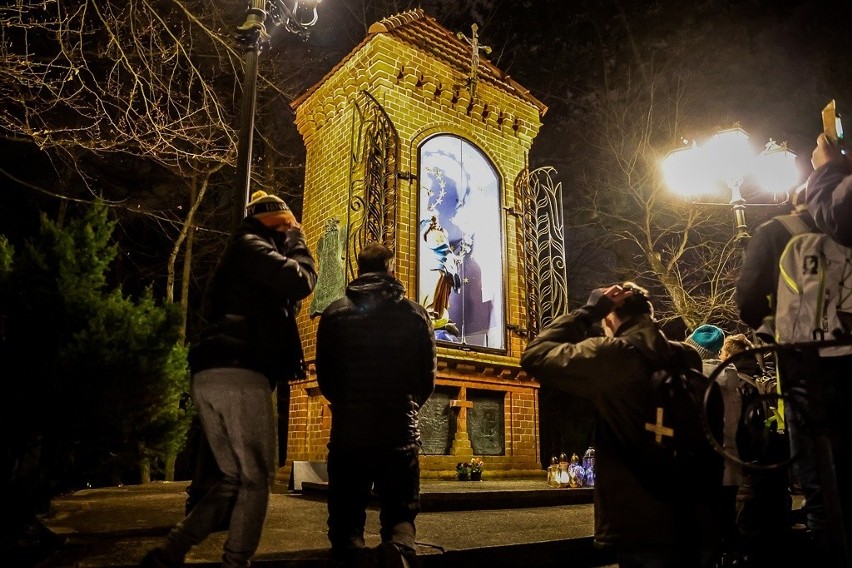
(460, 245)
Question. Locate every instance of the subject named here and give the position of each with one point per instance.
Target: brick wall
(310, 425)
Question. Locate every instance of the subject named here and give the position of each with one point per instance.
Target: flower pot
(464, 476)
(476, 476)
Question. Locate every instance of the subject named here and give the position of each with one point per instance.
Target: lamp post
(726, 160)
(253, 37)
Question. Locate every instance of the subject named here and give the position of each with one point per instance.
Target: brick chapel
(412, 137)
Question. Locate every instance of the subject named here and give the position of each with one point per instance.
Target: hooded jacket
(615, 374)
(829, 197)
(255, 296)
(376, 363)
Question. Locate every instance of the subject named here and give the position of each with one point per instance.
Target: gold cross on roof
(475, 48)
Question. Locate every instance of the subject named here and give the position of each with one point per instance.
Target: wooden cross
(473, 41)
(462, 404)
(461, 441)
(658, 429)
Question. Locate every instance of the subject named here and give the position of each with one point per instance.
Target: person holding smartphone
(829, 500)
(829, 191)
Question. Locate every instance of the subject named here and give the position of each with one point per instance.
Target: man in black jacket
(757, 283)
(763, 495)
(646, 522)
(829, 391)
(376, 365)
(251, 345)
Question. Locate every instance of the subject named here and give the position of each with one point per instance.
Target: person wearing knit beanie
(272, 211)
(250, 345)
(707, 340)
(262, 203)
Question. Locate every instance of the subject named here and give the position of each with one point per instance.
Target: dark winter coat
(829, 197)
(615, 374)
(375, 363)
(255, 296)
(757, 284)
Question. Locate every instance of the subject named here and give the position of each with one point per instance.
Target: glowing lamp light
(730, 154)
(685, 172)
(775, 169)
(724, 161)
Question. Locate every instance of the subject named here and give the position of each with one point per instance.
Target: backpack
(675, 454)
(814, 292)
(794, 224)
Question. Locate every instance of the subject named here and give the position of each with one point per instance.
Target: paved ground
(487, 523)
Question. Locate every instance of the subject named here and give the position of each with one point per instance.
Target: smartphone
(832, 126)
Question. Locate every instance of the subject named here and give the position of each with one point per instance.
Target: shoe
(156, 559)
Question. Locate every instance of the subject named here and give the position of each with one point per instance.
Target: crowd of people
(705, 508)
(792, 291)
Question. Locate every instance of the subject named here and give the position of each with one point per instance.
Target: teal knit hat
(707, 340)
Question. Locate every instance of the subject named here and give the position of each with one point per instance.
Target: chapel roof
(424, 33)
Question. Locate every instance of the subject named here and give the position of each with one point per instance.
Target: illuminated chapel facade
(414, 141)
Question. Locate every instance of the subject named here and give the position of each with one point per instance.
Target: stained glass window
(460, 245)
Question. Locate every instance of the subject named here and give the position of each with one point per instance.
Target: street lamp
(727, 159)
(253, 37)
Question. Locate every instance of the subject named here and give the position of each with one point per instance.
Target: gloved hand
(598, 305)
(602, 301)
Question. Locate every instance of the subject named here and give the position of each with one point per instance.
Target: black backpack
(675, 455)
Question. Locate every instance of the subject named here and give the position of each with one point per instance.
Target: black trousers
(821, 433)
(354, 474)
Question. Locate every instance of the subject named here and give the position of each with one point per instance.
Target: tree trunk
(145, 471)
(186, 234)
(170, 460)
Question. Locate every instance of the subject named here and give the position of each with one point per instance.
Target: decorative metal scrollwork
(373, 162)
(544, 247)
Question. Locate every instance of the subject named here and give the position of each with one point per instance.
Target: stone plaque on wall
(486, 422)
(437, 422)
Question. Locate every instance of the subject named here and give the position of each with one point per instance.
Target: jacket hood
(653, 343)
(375, 288)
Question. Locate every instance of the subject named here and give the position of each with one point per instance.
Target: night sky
(769, 65)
